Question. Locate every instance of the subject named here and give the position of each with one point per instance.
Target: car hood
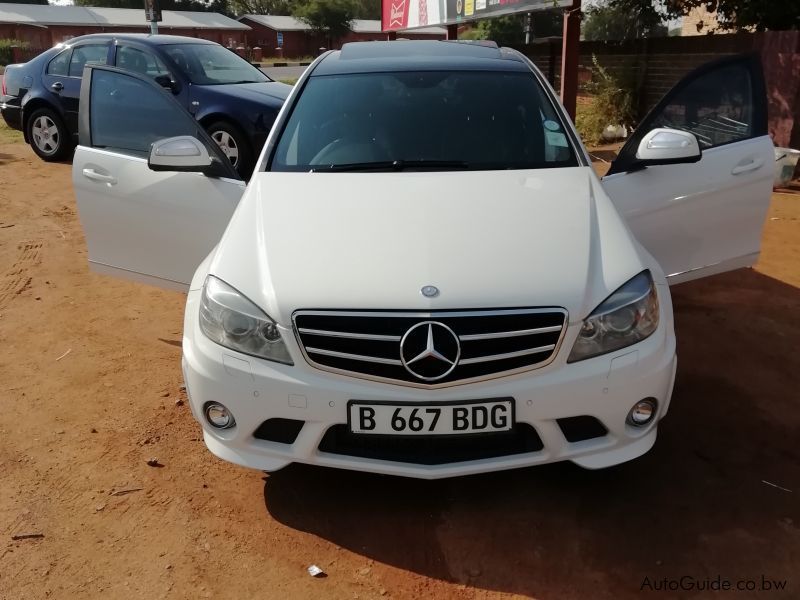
(273, 92)
(486, 239)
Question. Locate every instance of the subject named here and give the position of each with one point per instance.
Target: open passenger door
(704, 217)
(154, 226)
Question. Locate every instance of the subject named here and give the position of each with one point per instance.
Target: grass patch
(289, 80)
(8, 135)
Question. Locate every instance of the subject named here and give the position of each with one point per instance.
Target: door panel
(141, 224)
(705, 217)
(149, 226)
(696, 216)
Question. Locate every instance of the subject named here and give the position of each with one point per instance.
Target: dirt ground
(90, 389)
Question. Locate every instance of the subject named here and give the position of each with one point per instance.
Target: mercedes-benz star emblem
(430, 291)
(430, 350)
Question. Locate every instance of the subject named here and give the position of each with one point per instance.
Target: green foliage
(732, 15)
(612, 103)
(24, 1)
(622, 20)
(5, 49)
(328, 18)
(260, 7)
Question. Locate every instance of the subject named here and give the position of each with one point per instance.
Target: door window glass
(138, 61)
(717, 107)
(60, 64)
(91, 53)
(127, 114)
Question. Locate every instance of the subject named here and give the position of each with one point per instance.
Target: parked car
(424, 276)
(233, 100)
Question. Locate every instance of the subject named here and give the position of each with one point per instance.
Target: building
(287, 37)
(43, 26)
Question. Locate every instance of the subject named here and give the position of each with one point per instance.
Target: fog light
(642, 412)
(219, 416)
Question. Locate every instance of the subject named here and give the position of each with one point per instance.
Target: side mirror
(665, 146)
(182, 153)
(168, 82)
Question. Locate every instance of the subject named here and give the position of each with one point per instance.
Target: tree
(24, 2)
(330, 19)
(622, 20)
(261, 7)
(732, 15)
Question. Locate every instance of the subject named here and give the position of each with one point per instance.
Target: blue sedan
(233, 100)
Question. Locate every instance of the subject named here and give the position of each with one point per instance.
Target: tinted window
(128, 114)
(479, 120)
(92, 53)
(716, 107)
(60, 64)
(211, 64)
(138, 61)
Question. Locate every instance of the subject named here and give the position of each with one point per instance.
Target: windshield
(211, 64)
(426, 120)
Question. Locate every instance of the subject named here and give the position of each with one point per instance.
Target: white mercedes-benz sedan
(424, 275)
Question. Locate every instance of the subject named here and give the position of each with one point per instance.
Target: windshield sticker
(556, 139)
(551, 125)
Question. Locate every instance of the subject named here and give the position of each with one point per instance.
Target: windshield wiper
(395, 165)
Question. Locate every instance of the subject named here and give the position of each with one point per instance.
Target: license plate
(443, 418)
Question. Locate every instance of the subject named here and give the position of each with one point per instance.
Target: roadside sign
(408, 14)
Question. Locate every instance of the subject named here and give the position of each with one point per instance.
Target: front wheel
(234, 145)
(48, 136)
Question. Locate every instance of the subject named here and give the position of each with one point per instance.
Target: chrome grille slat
(367, 344)
(491, 357)
(355, 336)
(505, 334)
(372, 359)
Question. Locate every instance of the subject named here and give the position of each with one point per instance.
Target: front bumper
(256, 390)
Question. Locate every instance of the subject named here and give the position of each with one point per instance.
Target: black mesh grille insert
(376, 343)
(578, 429)
(284, 431)
(434, 450)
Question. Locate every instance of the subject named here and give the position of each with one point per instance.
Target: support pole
(153, 27)
(391, 36)
(452, 32)
(570, 53)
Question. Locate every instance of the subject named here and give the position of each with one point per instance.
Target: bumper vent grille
(430, 348)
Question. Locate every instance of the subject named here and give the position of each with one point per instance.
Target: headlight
(231, 320)
(628, 316)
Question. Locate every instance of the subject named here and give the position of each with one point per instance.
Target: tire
(48, 136)
(234, 145)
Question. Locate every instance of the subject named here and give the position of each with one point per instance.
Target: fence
(654, 65)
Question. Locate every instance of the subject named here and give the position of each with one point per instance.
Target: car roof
(144, 38)
(424, 55)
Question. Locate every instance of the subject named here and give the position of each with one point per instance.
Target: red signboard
(408, 14)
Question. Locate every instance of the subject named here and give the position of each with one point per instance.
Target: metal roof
(278, 22)
(286, 23)
(419, 55)
(37, 14)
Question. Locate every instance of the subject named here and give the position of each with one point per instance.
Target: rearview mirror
(663, 146)
(168, 82)
(182, 153)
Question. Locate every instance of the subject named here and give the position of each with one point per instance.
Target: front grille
(479, 344)
(431, 450)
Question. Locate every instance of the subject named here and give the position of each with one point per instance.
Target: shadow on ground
(695, 505)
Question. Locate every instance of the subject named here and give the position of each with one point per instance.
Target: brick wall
(655, 65)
